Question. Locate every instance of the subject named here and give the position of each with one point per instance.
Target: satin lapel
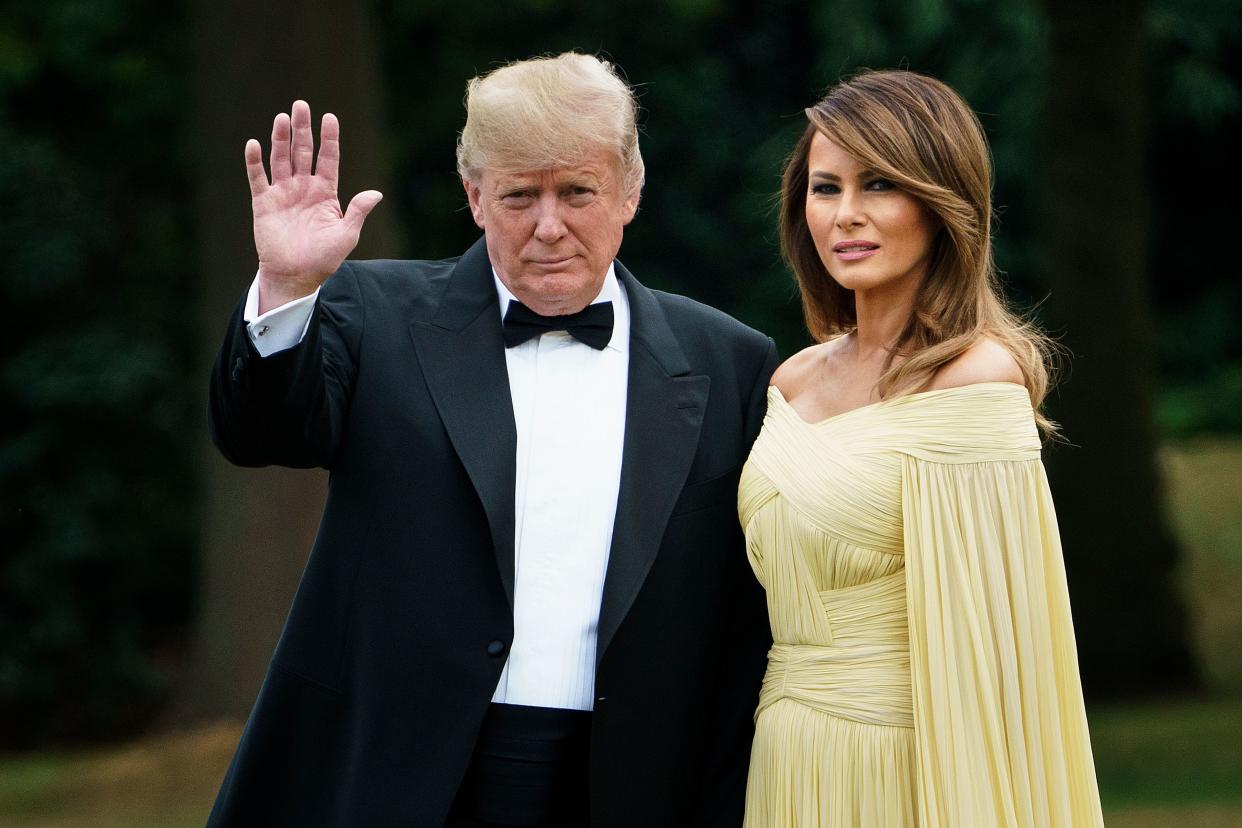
(663, 415)
(462, 354)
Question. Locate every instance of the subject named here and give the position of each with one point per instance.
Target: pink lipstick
(854, 249)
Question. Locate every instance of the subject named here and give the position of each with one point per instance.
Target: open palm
(300, 233)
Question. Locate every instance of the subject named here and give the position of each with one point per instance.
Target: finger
(281, 168)
(254, 168)
(329, 149)
(303, 139)
(359, 207)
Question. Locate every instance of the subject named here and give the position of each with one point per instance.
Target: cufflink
(262, 330)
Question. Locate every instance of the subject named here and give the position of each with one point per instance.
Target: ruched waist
(864, 673)
(868, 684)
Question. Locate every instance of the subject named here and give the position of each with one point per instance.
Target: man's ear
(631, 207)
(475, 196)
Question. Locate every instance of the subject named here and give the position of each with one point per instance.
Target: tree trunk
(252, 61)
(1130, 619)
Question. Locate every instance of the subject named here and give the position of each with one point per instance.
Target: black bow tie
(591, 326)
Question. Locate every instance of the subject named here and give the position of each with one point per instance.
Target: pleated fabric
(923, 670)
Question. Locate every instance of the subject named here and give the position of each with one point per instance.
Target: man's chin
(553, 294)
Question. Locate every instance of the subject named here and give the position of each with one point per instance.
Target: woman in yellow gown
(923, 670)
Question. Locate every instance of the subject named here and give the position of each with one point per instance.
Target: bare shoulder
(794, 373)
(985, 361)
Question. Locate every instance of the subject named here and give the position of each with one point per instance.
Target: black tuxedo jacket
(397, 636)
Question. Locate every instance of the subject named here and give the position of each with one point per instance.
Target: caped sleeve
(1000, 726)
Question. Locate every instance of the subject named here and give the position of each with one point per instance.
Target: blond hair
(917, 132)
(549, 112)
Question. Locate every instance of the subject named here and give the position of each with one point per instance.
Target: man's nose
(549, 227)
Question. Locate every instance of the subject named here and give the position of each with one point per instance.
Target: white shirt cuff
(280, 328)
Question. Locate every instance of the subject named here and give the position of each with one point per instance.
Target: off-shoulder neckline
(892, 400)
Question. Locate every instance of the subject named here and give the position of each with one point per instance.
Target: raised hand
(299, 231)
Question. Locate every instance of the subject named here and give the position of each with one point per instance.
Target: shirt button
(495, 648)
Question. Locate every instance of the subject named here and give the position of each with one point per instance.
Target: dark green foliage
(96, 471)
(1196, 48)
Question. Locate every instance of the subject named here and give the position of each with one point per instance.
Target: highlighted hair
(549, 112)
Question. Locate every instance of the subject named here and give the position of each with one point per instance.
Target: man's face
(551, 234)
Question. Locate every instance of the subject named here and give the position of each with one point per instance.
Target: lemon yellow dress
(923, 670)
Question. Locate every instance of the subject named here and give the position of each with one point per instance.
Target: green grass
(1179, 764)
(163, 781)
(1169, 754)
(27, 783)
(1175, 764)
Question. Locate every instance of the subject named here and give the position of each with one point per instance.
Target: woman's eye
(881, 184)
(825, 189)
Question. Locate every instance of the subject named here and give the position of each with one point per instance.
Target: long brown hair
(917, 132)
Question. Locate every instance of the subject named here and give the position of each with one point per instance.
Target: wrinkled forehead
(599, 167)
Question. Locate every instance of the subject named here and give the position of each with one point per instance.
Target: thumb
(360, 206)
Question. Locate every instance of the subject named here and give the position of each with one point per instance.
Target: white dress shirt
(569, 407)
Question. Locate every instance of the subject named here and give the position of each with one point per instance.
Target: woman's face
(869, 233)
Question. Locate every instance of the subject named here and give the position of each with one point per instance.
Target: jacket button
(239, 370)
(495, 648)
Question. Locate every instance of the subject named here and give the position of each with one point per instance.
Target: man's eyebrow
(579, 175)
(512, 186)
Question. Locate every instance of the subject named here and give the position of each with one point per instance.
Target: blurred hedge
(96, 455)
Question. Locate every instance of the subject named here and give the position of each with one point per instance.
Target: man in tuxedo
(528, 602)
